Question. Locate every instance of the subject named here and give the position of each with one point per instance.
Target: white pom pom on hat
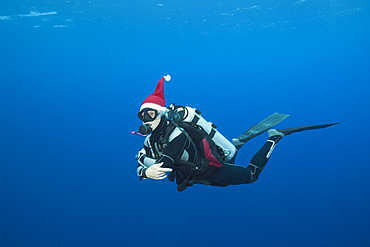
(156, 100)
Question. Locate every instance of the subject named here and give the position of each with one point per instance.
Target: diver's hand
(157, 172)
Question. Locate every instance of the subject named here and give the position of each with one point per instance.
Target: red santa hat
(156, 100)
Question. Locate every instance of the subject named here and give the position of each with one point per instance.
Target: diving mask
(147, 115)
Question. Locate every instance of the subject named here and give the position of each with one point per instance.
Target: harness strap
(195, 119)
(198, 173)
(212, 133)
(185, 171)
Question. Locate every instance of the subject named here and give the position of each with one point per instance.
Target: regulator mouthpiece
(145, 129)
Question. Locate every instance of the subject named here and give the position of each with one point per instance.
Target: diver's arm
(145, 158)
(149, 168)
(178, 143)
(144, 163)
(157, 169)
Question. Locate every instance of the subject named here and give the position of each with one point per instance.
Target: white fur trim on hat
(153, 106)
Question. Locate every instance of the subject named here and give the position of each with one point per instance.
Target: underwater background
(73, 75)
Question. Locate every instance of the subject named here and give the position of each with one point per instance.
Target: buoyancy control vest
(186, 114)
(214, 149)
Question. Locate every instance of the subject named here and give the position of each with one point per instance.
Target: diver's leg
(230, 174)
(260, 159)
(233, 174)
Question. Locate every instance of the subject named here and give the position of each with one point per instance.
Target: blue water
(73, 76)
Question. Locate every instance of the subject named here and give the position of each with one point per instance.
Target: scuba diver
(181, 145)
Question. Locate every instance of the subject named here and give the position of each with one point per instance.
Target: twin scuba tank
(192, 115)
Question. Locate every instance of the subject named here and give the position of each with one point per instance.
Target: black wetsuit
(179, 147)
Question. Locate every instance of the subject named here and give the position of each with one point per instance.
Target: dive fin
(259, 128)
(302, 128)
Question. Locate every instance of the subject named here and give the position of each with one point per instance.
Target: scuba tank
(193, 115)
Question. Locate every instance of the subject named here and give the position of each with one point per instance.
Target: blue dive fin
(259, 128)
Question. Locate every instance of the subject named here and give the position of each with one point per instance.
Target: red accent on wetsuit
(208, 153)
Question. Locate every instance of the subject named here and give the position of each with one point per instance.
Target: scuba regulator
(145, 129)
(177, 113)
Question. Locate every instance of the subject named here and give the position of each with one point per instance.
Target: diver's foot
(275, 135)
(275, 132)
